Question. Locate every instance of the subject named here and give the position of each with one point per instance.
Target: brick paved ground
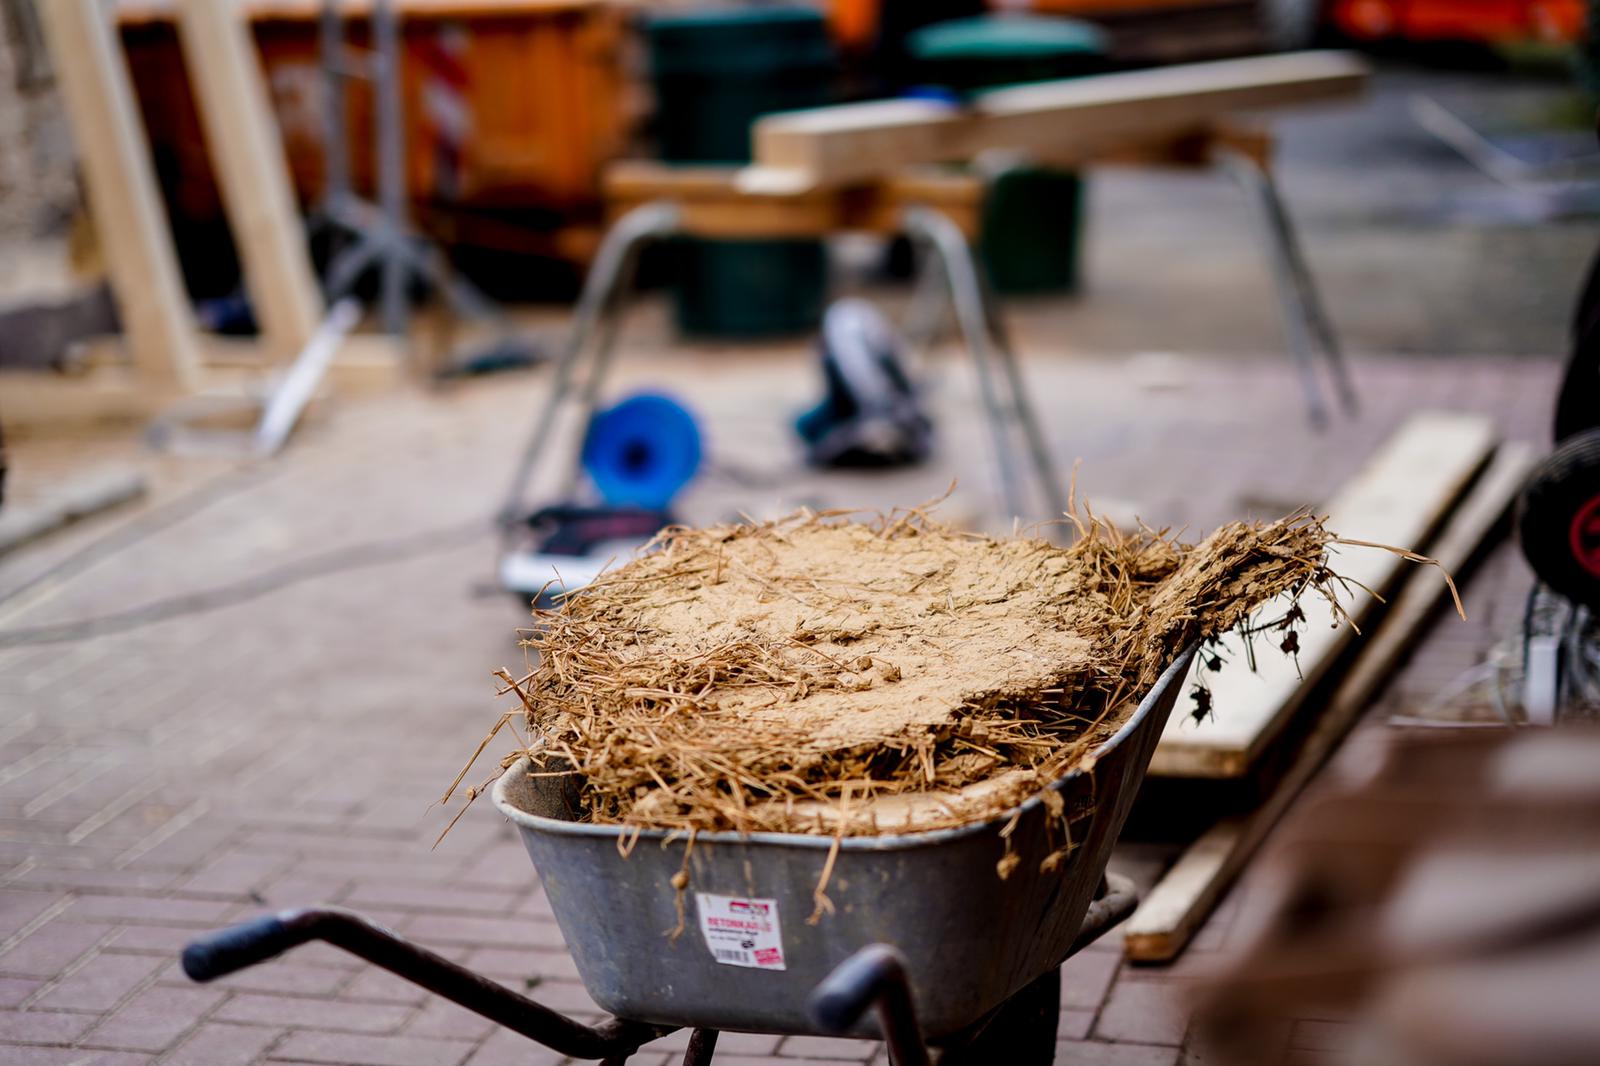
(162, 779)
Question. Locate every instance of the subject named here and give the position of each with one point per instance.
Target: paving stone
(1097, 1053)
(43, 1027)
(333, 1015)
(1085, 978)
(505, 1048)
(48, 950)
(1075, 1024)
(475, 931)
(727, 1043)
(201, 914)
(14, 991)
(1144, 1012)
(823, 1047)
(774, 1060)
(220, 1044)
(154, 1018)
(347, 1048)
(18, 908)
(288, 977)
(440, 1017)
(379, 986)
(101, 983)
(456, 899)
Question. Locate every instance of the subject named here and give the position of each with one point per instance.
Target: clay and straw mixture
(818, 674)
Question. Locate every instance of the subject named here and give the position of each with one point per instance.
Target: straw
(755, 677)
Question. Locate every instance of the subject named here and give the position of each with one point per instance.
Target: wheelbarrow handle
(233, 949)
(873, 976)
(239, 946)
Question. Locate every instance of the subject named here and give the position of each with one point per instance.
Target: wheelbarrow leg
(1305, 324)
(702, 1043)
(1022, 1032)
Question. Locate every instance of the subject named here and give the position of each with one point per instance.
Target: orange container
(1487, 21)
(510, 105)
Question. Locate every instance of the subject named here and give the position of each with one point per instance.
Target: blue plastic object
(642, 451)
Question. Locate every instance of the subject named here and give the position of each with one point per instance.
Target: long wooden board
(1399, 497)
(712, 201)
(1174, 910)
(1064, 121)
(121, 185)
(247, 153)
(76, 498)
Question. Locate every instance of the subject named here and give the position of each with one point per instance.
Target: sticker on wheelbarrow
(741, 932)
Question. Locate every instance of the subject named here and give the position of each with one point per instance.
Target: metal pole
(335, 146)
(391, 162)
(1297, 331)
(1044, 466)
(950, 246)
(600, 296)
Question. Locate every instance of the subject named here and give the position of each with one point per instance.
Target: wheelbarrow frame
(873, 977)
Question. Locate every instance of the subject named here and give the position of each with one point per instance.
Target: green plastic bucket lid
(1011, 36)
(716, 39)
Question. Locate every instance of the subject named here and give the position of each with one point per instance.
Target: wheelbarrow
(918, 928)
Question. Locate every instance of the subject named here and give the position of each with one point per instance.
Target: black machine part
(573, 529)
(1558, 519)
(871, 415)
(1577, 408)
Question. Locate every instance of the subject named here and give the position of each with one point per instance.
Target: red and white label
(740, 931)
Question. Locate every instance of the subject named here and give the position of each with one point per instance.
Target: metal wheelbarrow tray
(970, 939)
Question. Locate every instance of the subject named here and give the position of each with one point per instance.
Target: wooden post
(120, 181)
(246, 151)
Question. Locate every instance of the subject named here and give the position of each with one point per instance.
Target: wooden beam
(716, 201)
(1174, 910)
(1066, 122)
(39, 402)
(76, 498)
(121, 185)
(246, 152)
(1399, 497)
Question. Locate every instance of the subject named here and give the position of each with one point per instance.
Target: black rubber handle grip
(240, 946)
(854, 985)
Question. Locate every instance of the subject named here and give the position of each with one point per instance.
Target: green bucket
(1033, 217)
(715, 72)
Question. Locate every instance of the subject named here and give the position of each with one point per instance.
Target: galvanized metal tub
(970, 939)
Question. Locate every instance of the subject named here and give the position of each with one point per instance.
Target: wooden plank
(716, 201)
(1399, 497)
(75, 499)
(121, 186)
(1066, 121)
(247, 154)
(48, 402)
(1176, 907)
